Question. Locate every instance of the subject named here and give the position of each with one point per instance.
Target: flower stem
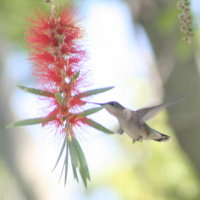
(52, 8)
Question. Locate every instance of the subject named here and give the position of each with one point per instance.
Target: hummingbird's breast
(129, 123)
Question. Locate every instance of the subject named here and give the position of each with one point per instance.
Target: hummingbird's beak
(100, 104)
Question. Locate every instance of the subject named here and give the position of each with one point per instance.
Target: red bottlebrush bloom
(57, 59)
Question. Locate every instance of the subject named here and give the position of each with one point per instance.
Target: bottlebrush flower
(58, 63)
(57, 59)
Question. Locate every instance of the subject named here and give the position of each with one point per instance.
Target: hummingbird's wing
(145, 114)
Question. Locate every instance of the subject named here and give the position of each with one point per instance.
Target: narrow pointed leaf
(73, 154)
(32, 121)
(97, 126)
(81, 156)
(60, 154)
(90, 111)
(83, 168)
(36, 91)
(74, 78)
(75, 173)
(66, 164)
(84, 178)
(59, 98)
(95, 91)
(74, 159)
(62, 171)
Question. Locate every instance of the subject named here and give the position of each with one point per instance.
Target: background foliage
(143, 170)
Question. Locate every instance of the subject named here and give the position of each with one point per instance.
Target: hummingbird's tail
(161, 137)
(156, 135)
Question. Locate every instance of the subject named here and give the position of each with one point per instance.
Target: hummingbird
(133, 123)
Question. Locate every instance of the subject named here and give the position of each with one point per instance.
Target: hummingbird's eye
(116, 105)
(113, 103)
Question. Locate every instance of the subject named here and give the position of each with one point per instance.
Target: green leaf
(32, 121)
(95, 91)
(84, 171)
(90, 111)
(81, 157)
(84, 178)
(74, 158)
(73, 154)
(59, 98)
(36, 91)
(76, 75)
(83, 168)
(66, 164)
(75, 173)
(97, 126)
(61, 172)
(60, 154)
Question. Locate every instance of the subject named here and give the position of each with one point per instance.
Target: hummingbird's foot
(139, 139)
(120, 131)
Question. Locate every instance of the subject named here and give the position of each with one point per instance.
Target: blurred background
(136, 46)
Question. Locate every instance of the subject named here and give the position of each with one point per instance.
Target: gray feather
(145, 114)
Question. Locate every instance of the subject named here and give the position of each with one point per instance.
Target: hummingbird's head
(113, 107)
